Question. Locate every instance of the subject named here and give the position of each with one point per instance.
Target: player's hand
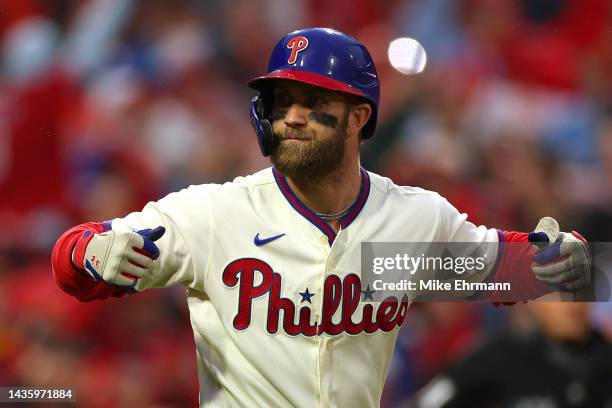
(565, 263)
(119, 256)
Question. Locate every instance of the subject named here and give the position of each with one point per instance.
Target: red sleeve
(514, 266)
(68, 277)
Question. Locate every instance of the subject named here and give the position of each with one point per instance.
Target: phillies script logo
(336, 293)
(296, 44)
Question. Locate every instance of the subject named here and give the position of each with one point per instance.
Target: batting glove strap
(78, 252)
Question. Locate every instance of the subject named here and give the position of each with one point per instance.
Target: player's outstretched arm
(151, 248)
(95, 261)
(535, 263)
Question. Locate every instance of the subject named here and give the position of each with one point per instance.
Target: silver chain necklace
(334, 216)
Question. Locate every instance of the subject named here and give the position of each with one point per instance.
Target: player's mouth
(297, 139)
(293, 135)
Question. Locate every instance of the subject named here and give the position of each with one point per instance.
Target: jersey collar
(312, 217)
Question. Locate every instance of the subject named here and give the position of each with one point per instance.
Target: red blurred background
(106, 104)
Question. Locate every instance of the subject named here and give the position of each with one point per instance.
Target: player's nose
(297, 116)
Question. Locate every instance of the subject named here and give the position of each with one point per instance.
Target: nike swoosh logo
(259, 241)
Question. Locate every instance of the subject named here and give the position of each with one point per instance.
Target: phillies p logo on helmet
(296, 44)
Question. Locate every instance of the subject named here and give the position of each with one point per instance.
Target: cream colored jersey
(275, 296)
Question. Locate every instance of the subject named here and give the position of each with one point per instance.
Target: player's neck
(331, 194)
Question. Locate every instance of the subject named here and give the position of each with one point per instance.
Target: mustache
(290, 133)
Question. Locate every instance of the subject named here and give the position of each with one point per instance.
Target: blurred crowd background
(106, 104)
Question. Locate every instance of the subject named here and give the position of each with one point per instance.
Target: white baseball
(407, 56)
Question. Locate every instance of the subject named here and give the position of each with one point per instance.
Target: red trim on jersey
(301, 208)
(311, 216)
(364, 193)
(67, 276)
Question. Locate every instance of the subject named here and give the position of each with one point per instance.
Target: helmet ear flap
(262, 124)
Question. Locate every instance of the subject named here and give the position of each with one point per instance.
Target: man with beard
(271, 261)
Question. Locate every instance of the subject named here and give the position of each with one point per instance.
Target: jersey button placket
(326, 342)
(324, 359)
(336, 251)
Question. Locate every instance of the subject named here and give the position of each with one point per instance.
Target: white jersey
(274, 295)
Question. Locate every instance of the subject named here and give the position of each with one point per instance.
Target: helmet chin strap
(262, 125)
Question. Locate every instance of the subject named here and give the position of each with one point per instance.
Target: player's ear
(359, 114)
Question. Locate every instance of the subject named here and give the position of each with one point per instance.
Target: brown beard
(313, 159)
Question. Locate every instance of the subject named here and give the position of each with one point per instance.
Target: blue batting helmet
(321, 57)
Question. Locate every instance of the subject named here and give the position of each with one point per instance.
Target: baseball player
(271, 261)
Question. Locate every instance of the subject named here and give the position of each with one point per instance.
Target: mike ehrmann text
(438, 285)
